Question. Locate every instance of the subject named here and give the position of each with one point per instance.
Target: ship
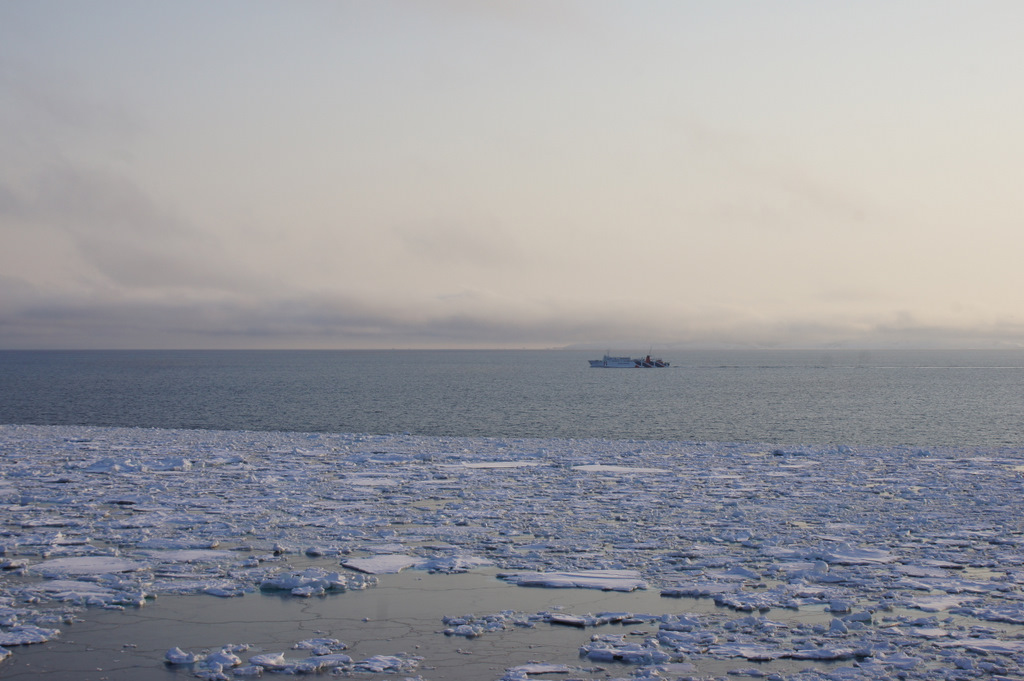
(612, 362)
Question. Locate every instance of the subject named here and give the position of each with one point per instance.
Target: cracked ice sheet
(845, 533)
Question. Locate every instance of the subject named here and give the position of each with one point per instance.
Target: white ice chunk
(379, 548)
(471, 626)
(540, 668)
(580, 621)
(272, 661)
(605, 650)
(455, 564)
(606, 580)
(383, 564)
(72, 586)
(223, 591)
(748, 651)
(320, 644)
(929, 632)
(86, 565)
(178, 656)
(702, 589)
(247, 670)
(899, 661)
(987, 645)
(935, 603)
(608, 468)
(387, 663)
(222, 658)
(372, 481)
(822, 654)
(319, 663)
(170, 463)
(90, 593)
(113, 465)
(922, 571)
(312, 581)
(1013, 614)
(849, 555)
(165, 543)
(27, 634)
(194, 556)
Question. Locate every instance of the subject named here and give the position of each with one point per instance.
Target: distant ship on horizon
(612, 362)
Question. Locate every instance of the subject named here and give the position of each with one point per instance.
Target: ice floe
(226, 661)
(314, 581)
(614, 648)
(813, 562)
(383, 564)
(606, 468)
(26, 634)
(92, 565)
(606, 580)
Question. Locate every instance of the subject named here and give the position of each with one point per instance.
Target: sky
(511, 174)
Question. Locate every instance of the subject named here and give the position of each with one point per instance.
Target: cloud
(101, 229)
(499, 174)
(40, 321)
(30, 318)
(483, 244)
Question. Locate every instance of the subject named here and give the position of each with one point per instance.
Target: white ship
(610, 362)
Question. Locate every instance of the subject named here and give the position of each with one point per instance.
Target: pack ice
(828, 562)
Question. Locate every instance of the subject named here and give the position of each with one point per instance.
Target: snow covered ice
(803, 563)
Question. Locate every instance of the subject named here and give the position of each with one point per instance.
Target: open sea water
(851, 397)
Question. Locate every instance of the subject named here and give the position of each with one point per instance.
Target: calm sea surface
(923, 398)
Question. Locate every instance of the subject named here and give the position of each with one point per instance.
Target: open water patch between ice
(808, 562)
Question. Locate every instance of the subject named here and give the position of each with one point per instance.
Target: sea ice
(222, 658)
(178, 656)
(272, 661)
(383, 564)
(319, 663)
(27, 634)
(607, 468)
(95, 565)
(195, 556)
(540, 669)
(615, 649)
(824, 555)
(606, 580)
(314, 581)
(845, 554)
(387, 663)
(454, 564)
(327, 645)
